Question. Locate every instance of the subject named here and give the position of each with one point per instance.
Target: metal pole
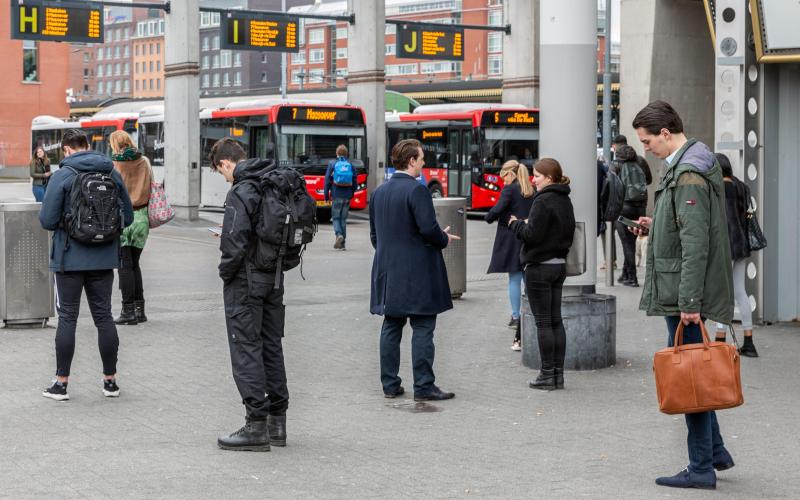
(609, 239)
(283, 60)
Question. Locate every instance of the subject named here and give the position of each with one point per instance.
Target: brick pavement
(603, 437)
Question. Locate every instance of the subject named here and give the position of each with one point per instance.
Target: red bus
(466, 145)
(46, 132)
(303, 136)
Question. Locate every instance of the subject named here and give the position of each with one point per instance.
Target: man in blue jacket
(341, 191)
(79, 266)
(409, 278)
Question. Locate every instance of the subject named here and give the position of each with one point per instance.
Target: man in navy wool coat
(409, 278)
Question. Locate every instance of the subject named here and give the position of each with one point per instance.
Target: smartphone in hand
(632, 224)
(216, 231)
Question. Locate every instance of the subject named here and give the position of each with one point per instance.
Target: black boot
(623, 278)
(559, 376)
(546, 381)
(127, 316)
(138, 306)
(748, 348)
(252, 437)
(276, 424)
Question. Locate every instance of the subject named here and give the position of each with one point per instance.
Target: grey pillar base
(591, 325)
(186, 213)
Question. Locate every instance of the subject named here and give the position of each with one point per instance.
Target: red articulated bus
(47, 131)
(466, 144)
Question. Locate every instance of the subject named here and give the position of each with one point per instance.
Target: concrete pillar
(568, 109)
(181, 109)
(667, 55)
(366, 86)
(521, 53)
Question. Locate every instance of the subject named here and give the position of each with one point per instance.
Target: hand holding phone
(216, 231)
(630, 223)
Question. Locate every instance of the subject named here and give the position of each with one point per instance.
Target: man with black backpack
(86, 206)
(269, 217)
(634, 206)
(340, 181)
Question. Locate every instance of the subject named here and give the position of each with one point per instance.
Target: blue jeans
(515, 291)
(339, 211)
(422, 352)
(704, 439)
(38, 192)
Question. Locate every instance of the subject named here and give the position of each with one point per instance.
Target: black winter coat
(550, 228)
(408, 272)
(241, 206)
(505, 253)
(737, 197)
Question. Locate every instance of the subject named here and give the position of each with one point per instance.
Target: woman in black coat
(515, 199)
(547, 237)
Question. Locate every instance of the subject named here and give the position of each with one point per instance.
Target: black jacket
(241, 206)
(550, 228)
(625, 154)
(505, 253)
(737, 197)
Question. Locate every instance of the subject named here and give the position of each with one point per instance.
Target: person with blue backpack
(340, 182)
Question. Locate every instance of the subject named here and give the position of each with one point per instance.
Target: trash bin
(26, 288)
(453, 212)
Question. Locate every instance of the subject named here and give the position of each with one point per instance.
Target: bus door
(261, 143)
(461, 147)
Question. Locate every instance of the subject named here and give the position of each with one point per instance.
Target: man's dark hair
(225, 149)
(405, 151)
(75, 138)
(725, 164)
(619, 139)
(656, 116)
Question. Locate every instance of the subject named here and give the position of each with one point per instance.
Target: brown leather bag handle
(679, 336)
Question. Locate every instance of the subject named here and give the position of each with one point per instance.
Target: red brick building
(34, 79)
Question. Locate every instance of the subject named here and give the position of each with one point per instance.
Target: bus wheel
(436, 191)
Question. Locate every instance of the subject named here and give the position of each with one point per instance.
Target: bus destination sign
(511, 118)
(311, 114)
(57, 21)
(252, 31)
(430, 42)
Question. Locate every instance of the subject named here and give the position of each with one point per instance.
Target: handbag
(693, 378)
(755, 237)
(159, 211)
(576, 258)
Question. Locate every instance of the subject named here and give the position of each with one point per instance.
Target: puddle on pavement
(416, 407)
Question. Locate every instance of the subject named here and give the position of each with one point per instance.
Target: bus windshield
(498, 145)
(311, 148)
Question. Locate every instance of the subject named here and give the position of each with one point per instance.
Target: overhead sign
(430, 42)
(253, 31)
(56, 21)
(510, 118)
(315, 114)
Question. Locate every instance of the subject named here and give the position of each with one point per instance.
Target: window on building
(158, 47)
(100, 54)
(316, 36)
(341, 33)
(390, 49)
(85, 89)
(237, 59)
(108, 52)
(137, 85)
(136, 68)
(85, 57)
(204, 65)
(205, 43)
(225, 58)
(100, 88)
(136, 49)
(495, 18)
(495, 42)
(341, 53)
(391, 29)
(116, 52)
(440, 67)
(215, 80)
(151, 30)
(295, 77)
(108, 69)
(158, 83)
(316, 76)
(215, 61)
(150, 47)
(140, 29)
(85, 73)
(495, 65)
(126, 69)
(127, 51)
(341, 73)
(237, 79)
(299, 57)
(161, 24)
(151, 66)
(117, 35)
(126, 34)
(316, 55)
(401, 69)
(151, 84)
(215, 42)
(226, 80)
(158, 66)
(126, 86)
(263, 77)
(99, 70)
(264, 58)
(205, 81)
(116, 69)
(117, 86)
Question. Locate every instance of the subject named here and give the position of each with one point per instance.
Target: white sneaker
(516, 346)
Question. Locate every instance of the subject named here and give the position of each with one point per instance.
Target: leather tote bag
(576, 258)
(693, 378)
(755, 237)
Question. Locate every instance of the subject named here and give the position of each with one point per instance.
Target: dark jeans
(339, 211)
(628, 239)
(544, 284)
(254, 317)
(704, 440)
(422, 352)
(130, 275)
(69, 287)
(38, 192)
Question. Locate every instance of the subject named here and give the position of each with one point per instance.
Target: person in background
(634, 206)
(340, 182)
(515, 199)
(737, 198)
(134, 168)
(621, 140)
(547, 236)
(40, 173)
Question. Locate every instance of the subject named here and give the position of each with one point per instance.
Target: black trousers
(544, 284)
(254, 316)
(130, 275)
(422, 352)
(628, 239)
(98, 286)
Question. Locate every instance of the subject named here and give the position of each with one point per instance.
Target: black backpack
(95, 216)
(613, 196)
(286, 221)
(635, 182)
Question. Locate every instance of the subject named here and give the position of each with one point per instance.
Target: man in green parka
(688, 275)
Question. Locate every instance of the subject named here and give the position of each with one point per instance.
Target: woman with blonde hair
(546, 238)
(515, 200)
(136, 173)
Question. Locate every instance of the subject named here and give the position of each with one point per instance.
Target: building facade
(148, 58)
